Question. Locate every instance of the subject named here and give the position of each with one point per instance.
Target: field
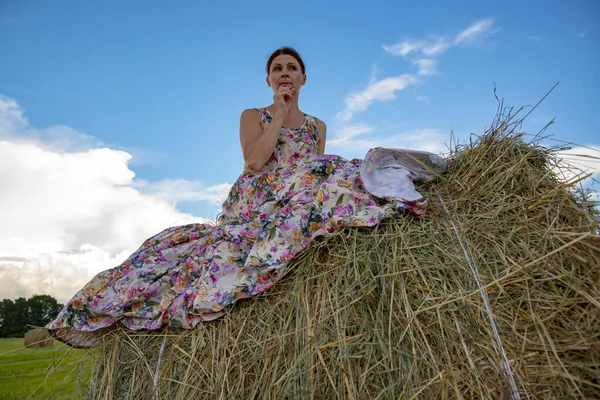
(48, 373)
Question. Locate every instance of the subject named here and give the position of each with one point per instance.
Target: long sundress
(191, 273)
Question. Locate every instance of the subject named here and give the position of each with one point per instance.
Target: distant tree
(42, 309)
(16, 317)
(7, 307)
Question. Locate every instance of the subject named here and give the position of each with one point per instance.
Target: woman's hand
(283, 100)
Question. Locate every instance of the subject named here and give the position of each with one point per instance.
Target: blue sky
(118, 119)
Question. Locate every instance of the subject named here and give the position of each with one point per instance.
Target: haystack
(38, 337)
(494, 293)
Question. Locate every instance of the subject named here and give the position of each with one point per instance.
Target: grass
(47, 373)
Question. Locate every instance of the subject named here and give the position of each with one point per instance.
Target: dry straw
(493, 294)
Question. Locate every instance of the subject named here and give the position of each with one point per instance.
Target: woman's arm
(257, 143)
(322, 138)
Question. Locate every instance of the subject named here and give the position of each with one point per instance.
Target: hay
(38, 338)
(493, 294)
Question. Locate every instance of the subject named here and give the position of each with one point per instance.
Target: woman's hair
(287, 51)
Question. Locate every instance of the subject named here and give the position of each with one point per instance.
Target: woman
(288, 193)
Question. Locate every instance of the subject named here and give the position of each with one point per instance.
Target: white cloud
(374, 73)
(423, 99)
(475, 33)
(427, 48)
(426, 66)
(12, 119)
(175, 191)
(348, 133)
(431, 140)
(15, 127)
(382, 90)
(423, 51)
(579, 162)
(436, 45)
(68, 211)
(404, 48)
(59, 274)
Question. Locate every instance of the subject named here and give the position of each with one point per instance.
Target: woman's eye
(293, 67)
(277, 68)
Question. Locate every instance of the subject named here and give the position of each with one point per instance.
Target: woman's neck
(294, 109)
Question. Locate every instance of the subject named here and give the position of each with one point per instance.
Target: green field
(50, 373)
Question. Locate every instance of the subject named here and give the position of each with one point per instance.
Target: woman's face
(285, 71)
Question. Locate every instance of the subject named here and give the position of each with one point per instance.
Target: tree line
(21, 315)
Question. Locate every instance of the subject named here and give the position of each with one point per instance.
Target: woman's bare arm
(258, 144)
(322, 138)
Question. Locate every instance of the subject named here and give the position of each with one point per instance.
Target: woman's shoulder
(256, 113)
(315, 121)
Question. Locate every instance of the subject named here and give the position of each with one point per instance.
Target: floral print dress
(191, 273)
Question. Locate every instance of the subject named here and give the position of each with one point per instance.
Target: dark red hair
(289, 52)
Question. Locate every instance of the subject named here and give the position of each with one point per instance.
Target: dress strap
(265, 118)
(313, 122)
